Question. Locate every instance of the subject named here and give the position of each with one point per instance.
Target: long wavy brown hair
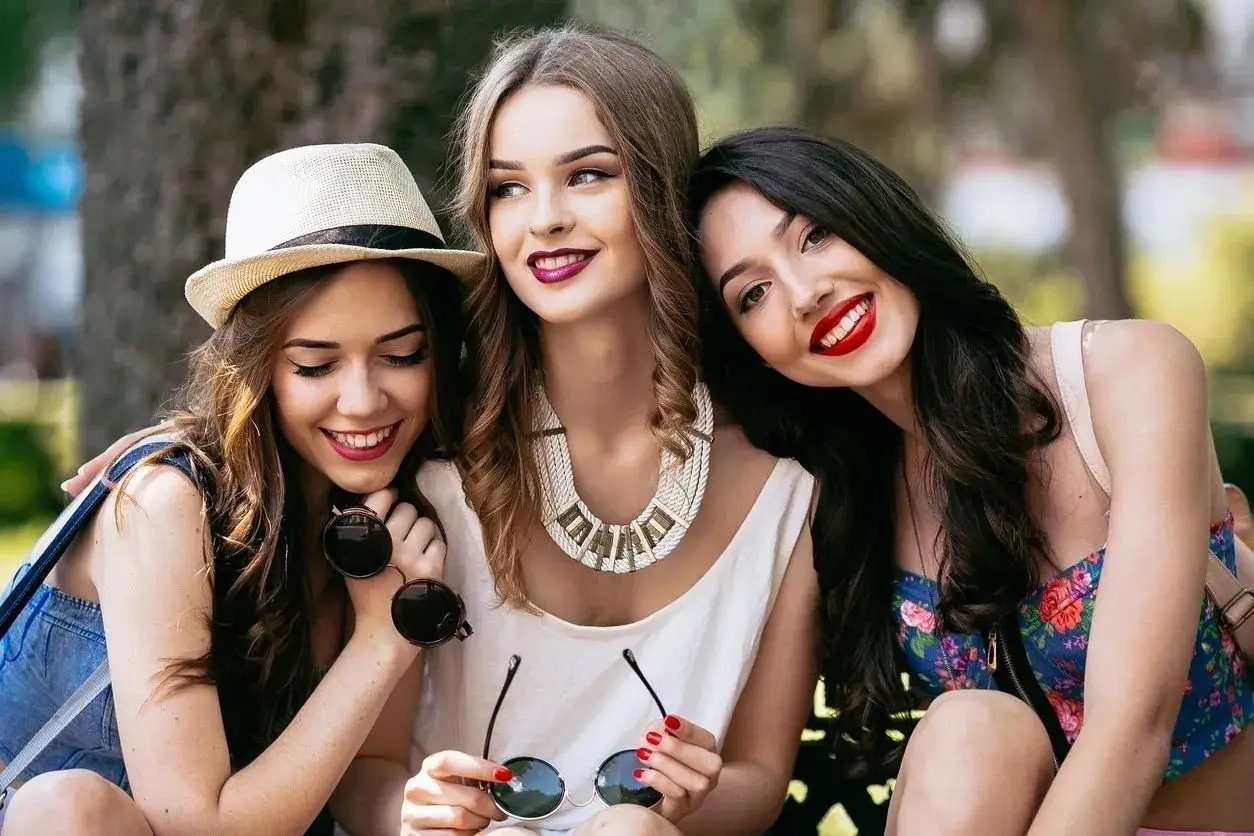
(648, 114)
(261, 654)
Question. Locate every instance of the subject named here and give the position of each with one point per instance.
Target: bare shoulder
(1137, 347)
(154, 498)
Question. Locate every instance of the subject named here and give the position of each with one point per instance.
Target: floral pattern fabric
(1055, 620)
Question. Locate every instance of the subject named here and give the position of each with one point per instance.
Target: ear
(1239, 505)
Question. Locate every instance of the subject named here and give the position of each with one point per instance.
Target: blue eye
(510, 189)
(588, 175)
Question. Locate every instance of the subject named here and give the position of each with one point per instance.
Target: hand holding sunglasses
(364, 539)
(680, 760)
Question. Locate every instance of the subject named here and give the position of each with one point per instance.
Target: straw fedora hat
(316, 205)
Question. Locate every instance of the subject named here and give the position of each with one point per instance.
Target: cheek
(413, 390)
(297, 402)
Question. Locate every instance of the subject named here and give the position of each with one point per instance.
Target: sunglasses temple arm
(514, 662)
(631, 660)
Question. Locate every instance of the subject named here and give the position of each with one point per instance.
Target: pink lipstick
(363, 454)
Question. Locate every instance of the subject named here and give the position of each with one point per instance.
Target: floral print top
(1054, 621)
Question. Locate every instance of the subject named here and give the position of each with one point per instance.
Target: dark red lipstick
(552, 275)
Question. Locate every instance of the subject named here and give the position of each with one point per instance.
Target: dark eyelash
(598, 172)
(412, 359)
(311, 371)
(743, 304)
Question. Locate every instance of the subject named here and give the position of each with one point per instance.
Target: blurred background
(1098, 157)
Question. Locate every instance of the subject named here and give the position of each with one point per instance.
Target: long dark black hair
(980, 409)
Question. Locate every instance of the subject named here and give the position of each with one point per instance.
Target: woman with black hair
(978, 526)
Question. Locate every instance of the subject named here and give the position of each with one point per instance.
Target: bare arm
(765, 731)
(155, 595)
(1148, 390)
(369, 798)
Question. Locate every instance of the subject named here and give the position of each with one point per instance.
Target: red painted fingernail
(638, 774)
(672, 722)
(643, 753)
(654, 738)
(503, 774)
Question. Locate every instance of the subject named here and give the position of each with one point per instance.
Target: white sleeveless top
(575, 701)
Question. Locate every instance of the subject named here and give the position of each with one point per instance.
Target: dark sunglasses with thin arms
(426, 612)
(537, 789)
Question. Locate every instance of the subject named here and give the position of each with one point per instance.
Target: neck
(598, 372)
(894, 397)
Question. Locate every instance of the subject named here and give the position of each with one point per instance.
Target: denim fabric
(52, 647)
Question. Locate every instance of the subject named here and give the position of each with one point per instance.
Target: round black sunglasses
(426, 612)
(537, 789)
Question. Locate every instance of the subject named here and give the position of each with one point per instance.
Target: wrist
(387, 649)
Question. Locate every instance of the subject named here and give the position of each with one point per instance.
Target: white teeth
(362, 441)
(846, 324)
(556, 261)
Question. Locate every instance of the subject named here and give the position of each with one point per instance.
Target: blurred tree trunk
(1076, 129)
(180, 97)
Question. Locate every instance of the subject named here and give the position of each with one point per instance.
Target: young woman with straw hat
(257, 637)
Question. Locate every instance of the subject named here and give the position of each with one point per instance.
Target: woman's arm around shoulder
(1147, 388)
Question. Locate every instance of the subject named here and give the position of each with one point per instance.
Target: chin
(363, 480)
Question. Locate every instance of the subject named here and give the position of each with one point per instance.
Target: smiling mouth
(559, 265)
(362, 446)
(845, 328)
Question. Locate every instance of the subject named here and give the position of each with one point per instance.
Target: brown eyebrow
(562, 159)
(386, 338)
(731, 273)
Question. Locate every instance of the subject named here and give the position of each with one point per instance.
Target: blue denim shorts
(52, 647)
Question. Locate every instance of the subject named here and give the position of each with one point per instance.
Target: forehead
(540, 121)
(737, 217)
(367, 298)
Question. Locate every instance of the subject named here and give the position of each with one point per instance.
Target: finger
(457, 819)
(696, 757)
(450, 764)
(380, 501)
(676, 726)
(674, 797)
(694, 782)
(92, 467)
(401, 520)
(423, 533)
(426, 790)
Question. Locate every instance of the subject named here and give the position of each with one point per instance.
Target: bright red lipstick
(855, 339)
(559, 274)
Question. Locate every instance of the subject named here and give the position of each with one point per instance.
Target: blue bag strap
(58, 537)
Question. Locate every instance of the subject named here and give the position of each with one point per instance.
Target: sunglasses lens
(425, 612)
(357, 544)
(617, 785)
(535, 791)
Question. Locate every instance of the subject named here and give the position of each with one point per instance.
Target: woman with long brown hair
(587, 567)
(247, 673)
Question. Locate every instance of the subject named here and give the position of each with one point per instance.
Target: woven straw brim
(214, 289)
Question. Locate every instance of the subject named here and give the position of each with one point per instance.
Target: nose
(552, 216)
(360, 394)
(806, 292)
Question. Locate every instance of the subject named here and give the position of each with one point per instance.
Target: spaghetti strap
(1066, 345)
